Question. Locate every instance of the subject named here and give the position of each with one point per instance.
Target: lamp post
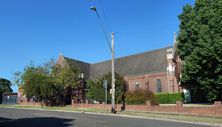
(111, 46)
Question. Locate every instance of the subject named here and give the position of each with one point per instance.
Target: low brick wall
(30, 103)
(96, 106)
(214, 110)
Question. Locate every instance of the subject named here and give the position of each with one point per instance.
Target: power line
(103, 20)
(104, 14)
(102, 26)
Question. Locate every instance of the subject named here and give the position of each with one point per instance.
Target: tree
(49, 83)
(120, 86)
(96, 89)
(33, 80)
(5, 86)
(199, 46)
(69, 78)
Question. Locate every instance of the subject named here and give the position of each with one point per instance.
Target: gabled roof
(143, 63)
(83, 66)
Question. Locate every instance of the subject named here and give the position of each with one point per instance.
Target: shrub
(140, 97)
(166, 98)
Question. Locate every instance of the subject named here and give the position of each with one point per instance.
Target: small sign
(111, 91)
(105, 84)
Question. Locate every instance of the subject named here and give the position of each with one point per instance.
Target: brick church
(157, 70)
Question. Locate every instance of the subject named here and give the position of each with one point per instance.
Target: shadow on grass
(36, 122)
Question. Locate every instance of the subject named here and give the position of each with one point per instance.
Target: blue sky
(38, 30)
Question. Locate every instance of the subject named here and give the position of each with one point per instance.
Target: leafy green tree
(96, 90)
(120, 86)
(5, 86)
(199, 46)
(69, 78)
(49, 83)
(32, 80)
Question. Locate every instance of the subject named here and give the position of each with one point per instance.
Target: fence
(9, 98)
(214, 110)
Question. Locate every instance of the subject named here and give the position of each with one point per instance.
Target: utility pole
(111, 46)
(113, 74)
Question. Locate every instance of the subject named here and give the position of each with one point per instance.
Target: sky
(39, 30)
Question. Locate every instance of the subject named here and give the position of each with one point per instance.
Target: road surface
(35, 118)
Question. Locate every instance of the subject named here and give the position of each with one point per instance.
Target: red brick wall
(214, 110)
(96, 106)
(31, 103)
(148, 82)
(61, 61)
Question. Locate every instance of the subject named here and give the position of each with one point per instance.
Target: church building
(157, 70)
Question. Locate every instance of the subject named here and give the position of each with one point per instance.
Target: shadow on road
(36, 122)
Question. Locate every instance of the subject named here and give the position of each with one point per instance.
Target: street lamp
(111, 46)
(93, 8)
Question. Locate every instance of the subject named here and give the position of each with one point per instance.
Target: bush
(166, 98)
(140, 97)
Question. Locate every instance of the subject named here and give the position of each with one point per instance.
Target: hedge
(140, 97)
(166, 98)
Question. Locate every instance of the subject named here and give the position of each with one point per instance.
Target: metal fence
(9, 98)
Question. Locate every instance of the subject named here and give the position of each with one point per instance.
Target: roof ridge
(76, 60)
(153, 50)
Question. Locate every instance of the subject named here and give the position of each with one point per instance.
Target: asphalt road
(34, 118)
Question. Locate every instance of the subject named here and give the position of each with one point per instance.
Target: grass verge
(188, 118)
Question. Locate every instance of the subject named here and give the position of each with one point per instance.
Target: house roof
(142, 63)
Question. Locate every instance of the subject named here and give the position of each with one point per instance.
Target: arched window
(137, 85)
(158, 85)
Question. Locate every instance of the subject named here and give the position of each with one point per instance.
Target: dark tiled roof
(147, 62)
(83, 66)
